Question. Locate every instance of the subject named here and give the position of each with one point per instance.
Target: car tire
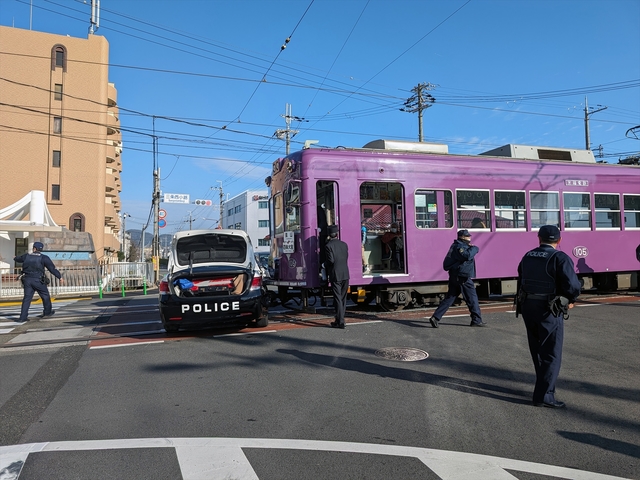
(262, 322)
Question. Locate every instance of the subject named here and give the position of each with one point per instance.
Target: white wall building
(249, 211)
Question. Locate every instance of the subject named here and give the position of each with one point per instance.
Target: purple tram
(502, 197)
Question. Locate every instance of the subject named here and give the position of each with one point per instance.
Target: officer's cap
(549, 233)
(332, 229)
(38, 246)
(463, 233)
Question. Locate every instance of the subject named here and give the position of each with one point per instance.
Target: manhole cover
(402, 354)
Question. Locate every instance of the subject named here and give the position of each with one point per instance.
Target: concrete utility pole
(419, 102)
(155, 249)
(124, 234)
(586, 121)
(287, 134)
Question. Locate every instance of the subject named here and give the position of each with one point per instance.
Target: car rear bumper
(206, 312)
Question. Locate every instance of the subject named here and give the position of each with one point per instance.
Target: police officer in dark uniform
(34, 280)
(547, 287)
(461, 265)
(337, 255)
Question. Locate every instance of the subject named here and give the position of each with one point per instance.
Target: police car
(213, 280)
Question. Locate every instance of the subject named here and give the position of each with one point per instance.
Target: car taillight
(164, 287)
(256, 282)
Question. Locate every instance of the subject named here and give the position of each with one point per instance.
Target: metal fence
(86, 280)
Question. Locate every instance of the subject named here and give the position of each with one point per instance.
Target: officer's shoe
(50, 314)
(481, 324)
(554, 404)
(434, 322)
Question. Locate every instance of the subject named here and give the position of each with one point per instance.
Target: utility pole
(221, 201)
(155, 249)
(124, 235)
(287, 134)
(586, 121)
(421, 100)
(95, 17)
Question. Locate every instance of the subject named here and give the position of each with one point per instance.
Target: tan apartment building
(60, 133)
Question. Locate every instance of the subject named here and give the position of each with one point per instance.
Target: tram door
(382, 225)
(326, 201)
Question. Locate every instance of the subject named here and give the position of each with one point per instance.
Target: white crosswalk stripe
(9, 315)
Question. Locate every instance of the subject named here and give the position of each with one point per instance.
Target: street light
(124, 234)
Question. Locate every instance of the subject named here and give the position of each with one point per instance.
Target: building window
(577, 210)
(263, 223)
(545, 209)
(56, 158)
(510, 210)
(262, 204)
(237, 209)
(433, 209)
(229, 212)
(59, 57)
(55, 192)
(472, 208)
(57, 124)
(76, 222)
(238, 226)
(57, 94)
(263, 242)
(607, 210)
(631, 211)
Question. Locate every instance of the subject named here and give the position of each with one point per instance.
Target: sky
(210, 79)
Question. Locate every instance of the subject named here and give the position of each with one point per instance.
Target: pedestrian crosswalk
(10, 314)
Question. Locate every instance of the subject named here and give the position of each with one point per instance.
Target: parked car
(213, 280)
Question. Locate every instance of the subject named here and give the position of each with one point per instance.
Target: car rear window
(211, 248)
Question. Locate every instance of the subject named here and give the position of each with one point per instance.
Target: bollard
(100, 289)
(123, 286)
(144, 285)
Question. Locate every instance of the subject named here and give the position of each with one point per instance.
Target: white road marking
(204, 458)
(134, 344)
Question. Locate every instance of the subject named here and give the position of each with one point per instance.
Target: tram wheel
(388, 306)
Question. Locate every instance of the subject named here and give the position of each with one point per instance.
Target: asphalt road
(99, 391)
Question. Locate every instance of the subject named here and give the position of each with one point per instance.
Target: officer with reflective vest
(547, 288)
(34, 279)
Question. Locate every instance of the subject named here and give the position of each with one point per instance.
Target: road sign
(176, 198)
(206, 203)
(162, 213)
(162, 223)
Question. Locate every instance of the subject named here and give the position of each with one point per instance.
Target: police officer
(546, 278)
(33, 279)
(461, 265)
(337, 255)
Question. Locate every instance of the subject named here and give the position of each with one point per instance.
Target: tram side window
(433, 209)
(577, 210)
(292, 207)
(631, 211)
(510, 210)
(607, 208)
(545, 209)
(472, 208)
(278, 213)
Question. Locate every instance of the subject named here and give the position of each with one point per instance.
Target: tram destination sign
(176, 198)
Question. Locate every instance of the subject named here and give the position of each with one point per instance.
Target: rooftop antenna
(95, 16)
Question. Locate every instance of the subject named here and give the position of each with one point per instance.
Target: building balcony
(113, 125)
(112, 95)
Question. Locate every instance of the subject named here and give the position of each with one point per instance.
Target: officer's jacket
(33, 265)
(547, 271)
(337, 255)
(459, 261)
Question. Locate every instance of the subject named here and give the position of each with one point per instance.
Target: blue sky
(214, 76)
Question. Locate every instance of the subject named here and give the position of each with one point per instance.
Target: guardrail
(86, 280)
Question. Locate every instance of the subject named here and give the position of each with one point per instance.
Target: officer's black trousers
(339, 290)
(32, 285)
(465, 286)
(545, 334)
